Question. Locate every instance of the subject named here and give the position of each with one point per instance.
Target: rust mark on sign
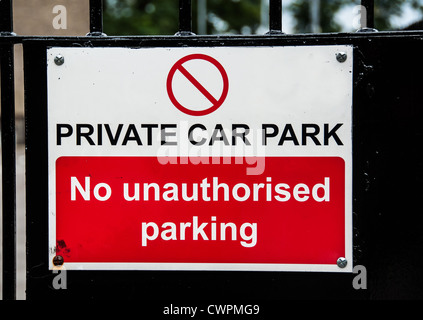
(62, 249)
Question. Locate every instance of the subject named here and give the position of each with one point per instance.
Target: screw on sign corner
(58, 261)
(341, 57)
(59, 60)
(342, 262)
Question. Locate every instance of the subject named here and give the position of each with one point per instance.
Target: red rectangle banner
(170, 210)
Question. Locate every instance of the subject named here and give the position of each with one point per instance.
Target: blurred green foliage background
(160, 17)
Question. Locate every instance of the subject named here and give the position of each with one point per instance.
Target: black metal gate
(387, 173)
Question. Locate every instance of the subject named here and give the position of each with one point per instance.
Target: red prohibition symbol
(216, 103)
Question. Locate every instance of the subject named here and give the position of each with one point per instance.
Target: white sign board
(216, 158)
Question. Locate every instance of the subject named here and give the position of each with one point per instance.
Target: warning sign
(201, 158)
(179, 67)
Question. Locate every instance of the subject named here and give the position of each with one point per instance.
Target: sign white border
(53, 155)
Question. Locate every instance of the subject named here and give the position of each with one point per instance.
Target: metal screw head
(58, 261)
(59, 60)
(341, 57)
(342, 262)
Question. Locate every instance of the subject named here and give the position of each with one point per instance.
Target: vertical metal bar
(275, 17)
(369, 12)
(96, 18)
(185, 18)
(8, 141)
(6, 17)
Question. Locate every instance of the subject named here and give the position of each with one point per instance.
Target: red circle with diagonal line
(216, 103)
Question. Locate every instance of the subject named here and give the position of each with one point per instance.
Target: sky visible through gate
(409, 16)
(346, 16)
